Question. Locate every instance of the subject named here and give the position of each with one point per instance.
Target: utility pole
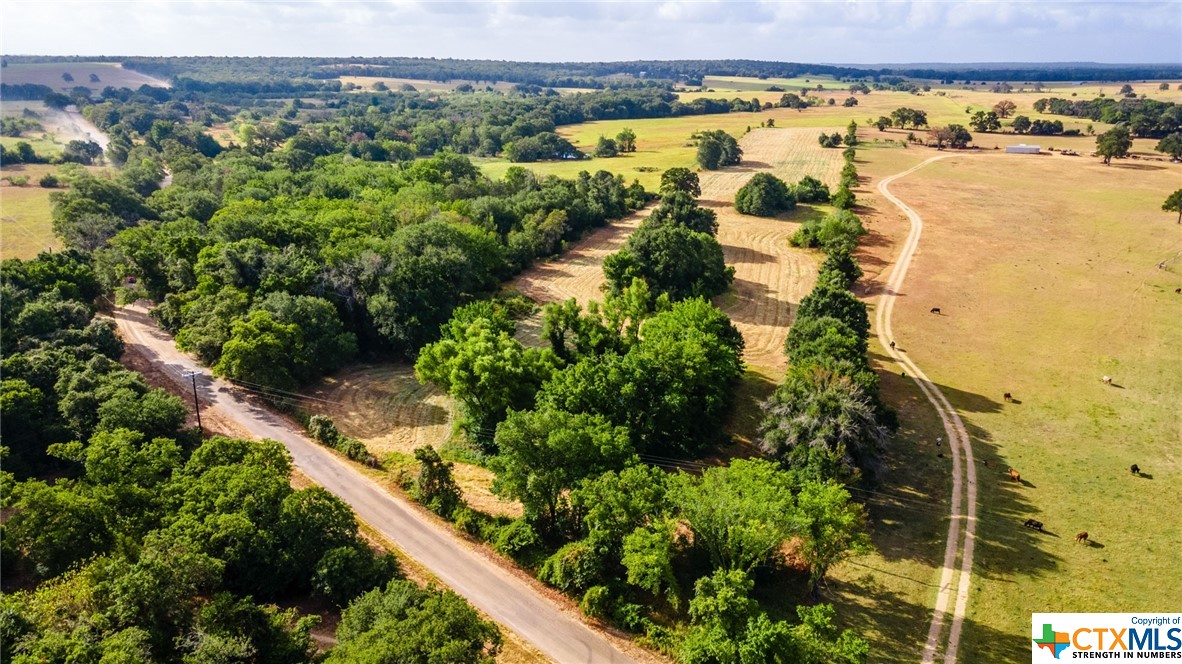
(196, 404)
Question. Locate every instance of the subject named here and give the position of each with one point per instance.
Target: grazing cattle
(1082, 536)
(935, 310)
(1031, 523)
(1135, 469)
(892, 345)
(1015, 475)
(1008, 397)
(1107, 380)
(1178, 290)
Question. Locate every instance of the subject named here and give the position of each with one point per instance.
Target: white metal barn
(1022, 148)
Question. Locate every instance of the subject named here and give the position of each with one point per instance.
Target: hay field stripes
(770, 276)
(964, 473)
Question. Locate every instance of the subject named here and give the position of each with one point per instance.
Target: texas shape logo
(1055, 642)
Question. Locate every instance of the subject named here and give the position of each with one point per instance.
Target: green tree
(1174, 204)
(764, 195)
(1021, 124)
(544, 454)
(434, 486)
(671, 259)
(262, 350)
(680, 179)
(405, 623)
(832, 528)
(810, 190)
(678, 208)
(488, 373)
(822, 425)
(605, 147)
(985, 122)
(1171, 144)
(626, 140)
(1114, 143)
(740, 514)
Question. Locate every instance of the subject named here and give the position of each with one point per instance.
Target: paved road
(964, 470)
(507, 599)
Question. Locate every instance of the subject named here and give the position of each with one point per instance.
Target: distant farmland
(50, 73)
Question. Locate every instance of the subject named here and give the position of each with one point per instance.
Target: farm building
(1022, 148)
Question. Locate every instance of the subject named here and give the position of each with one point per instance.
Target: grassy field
(25, 228)
(50, 73)
(1047, 273)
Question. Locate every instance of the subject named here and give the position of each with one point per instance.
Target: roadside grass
(25, 213)
(50, 73)
(1047, 273)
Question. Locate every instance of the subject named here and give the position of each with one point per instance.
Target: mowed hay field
(1046, 269)
(384, 406)
(50, 73)
(25, 224)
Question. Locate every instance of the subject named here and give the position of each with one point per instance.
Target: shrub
(576, 566)
(836, 232)
(597, 602)
(471, 522)
(345, 572)
(434, 486)
(810, 190)
(764, 195)
(18, 180)
(49, 181)
(517, 540)
(844, 199)
(353, 448)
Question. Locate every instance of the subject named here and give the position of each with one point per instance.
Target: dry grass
(50, 73)
(388, 409)
(25, 224)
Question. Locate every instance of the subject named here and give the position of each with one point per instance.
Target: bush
(471, 522)
(597, 602)
(325, 431)
(517, 540)
(576, 566)
(345, 572)
(49, 181)
(810, 190)
(434, 486)
(18, 180)
(353, 448)
(838, 232)
(764, 195)
(844, 199)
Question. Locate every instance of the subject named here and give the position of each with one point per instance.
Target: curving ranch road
(964, 472)
(505, 598)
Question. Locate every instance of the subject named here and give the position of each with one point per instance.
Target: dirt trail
(964, 472)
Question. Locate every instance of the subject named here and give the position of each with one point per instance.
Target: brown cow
(1082, 536)
(1008, 397)
(1014, 475)
(935, 310)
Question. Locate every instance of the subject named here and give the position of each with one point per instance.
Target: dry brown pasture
(50, 73)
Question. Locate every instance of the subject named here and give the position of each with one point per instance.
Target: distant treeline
(597, 74)
(1146, 118)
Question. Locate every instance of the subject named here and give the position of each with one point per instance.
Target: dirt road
(964, 472)
(506, 599)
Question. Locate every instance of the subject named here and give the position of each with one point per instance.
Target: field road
(506, 599)
(964, 473)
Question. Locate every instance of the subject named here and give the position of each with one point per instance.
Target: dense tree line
(1145, 118)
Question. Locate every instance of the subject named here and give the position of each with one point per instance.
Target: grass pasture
(25, 224)
(50, 73)
(1047, 273)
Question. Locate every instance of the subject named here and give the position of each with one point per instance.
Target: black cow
(1031, 523)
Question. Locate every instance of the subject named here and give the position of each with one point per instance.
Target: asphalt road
(505, 598)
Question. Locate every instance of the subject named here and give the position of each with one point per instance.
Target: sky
(825, 31)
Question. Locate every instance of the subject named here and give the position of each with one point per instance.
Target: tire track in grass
(964, 472)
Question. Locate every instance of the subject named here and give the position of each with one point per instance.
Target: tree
(488, 373)
(882, 123)
(680, 179)
(67, 77)
(1114, 143)
(679, 209)
(850, 101)
(605, 147)
(1174, 204)
(986, 121)
(672, 259)
(435, 487)
(740, 514)
(544, 454)
(405, 623)
(810, 190)
(1021, 124)
(1127, 90)
(851, 134)
(1004, 108)
(717, 149)
(958, 136)
(1171, 145)
(764, 195)
(832, 528)
(626, 140)
(260, 350)
(822, 425)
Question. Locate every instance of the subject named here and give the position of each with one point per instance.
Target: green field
(1048, 277)
(25, 226)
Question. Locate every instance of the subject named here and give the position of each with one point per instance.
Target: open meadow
(25, 224)
(1047, 272)
(51, 74)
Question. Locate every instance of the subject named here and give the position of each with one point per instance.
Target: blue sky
(842, 31)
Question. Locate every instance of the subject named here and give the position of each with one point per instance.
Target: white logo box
(1147, 636)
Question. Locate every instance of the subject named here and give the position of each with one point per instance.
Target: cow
(1082, 536)
(1031, 523)
(1015, 475)
(1107, 380)
(892, 345)
(1135, 469)
(1008, 397)
(936, 310)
